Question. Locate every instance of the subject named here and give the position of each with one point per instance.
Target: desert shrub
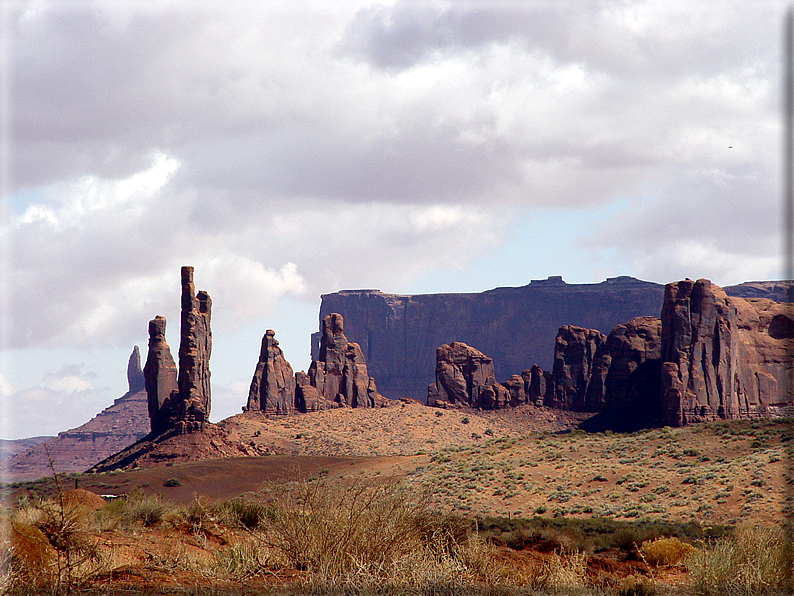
(333, 529)
(665, 551)
(242, 560)
(145, 509)
(242, 513)
(636, 585)
(752, 562)
(171, 482)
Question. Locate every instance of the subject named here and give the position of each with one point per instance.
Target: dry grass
(753, 562)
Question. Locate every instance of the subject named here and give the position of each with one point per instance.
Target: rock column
(273, 386)
(160, 377)
(180, 399)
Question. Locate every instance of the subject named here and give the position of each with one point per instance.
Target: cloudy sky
(410, 146)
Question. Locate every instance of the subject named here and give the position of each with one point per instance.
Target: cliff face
(516, 327)
(76, 450)
(722, 356)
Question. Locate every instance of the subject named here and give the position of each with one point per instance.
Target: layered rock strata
(179, 398)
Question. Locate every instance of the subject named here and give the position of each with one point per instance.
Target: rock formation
(114, 428)
(340, 373)
(135, 379)
(465, 377)
(575, 349)
(179, 399)
(399, 335)
(723, 357)
(633, 352)
(273, 386)
(337, 379)
(160, 376)
(538, 385)
(195, 346)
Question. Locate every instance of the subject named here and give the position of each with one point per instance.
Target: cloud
(287, 152)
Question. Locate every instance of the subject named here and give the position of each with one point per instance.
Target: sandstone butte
(76, 450)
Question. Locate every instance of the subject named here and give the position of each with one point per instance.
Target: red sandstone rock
(77, 449)
(516, 390)
(723, 357)
(629, 346)
(537, 385)
(574, 352)
(135, 378)
(465, 377)
(273, 386)
(195, 348)
(160, 376)
(180, 401)
(340, 375)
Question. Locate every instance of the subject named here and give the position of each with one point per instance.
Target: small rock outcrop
(273, 386)
(538, 385)
(465, 377)
(340, 374)
(575, 351)
(179, 399)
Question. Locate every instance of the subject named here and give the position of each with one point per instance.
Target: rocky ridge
(709, 356)
(75, 450)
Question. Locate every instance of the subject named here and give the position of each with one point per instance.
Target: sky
(409, 146)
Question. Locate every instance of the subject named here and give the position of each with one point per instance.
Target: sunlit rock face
(723, 356)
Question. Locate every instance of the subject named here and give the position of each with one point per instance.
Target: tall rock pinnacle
(195, 345)
(160, 376)
(181, 400)
(135, 378)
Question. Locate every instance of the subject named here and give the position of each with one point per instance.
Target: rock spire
(179, 399)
